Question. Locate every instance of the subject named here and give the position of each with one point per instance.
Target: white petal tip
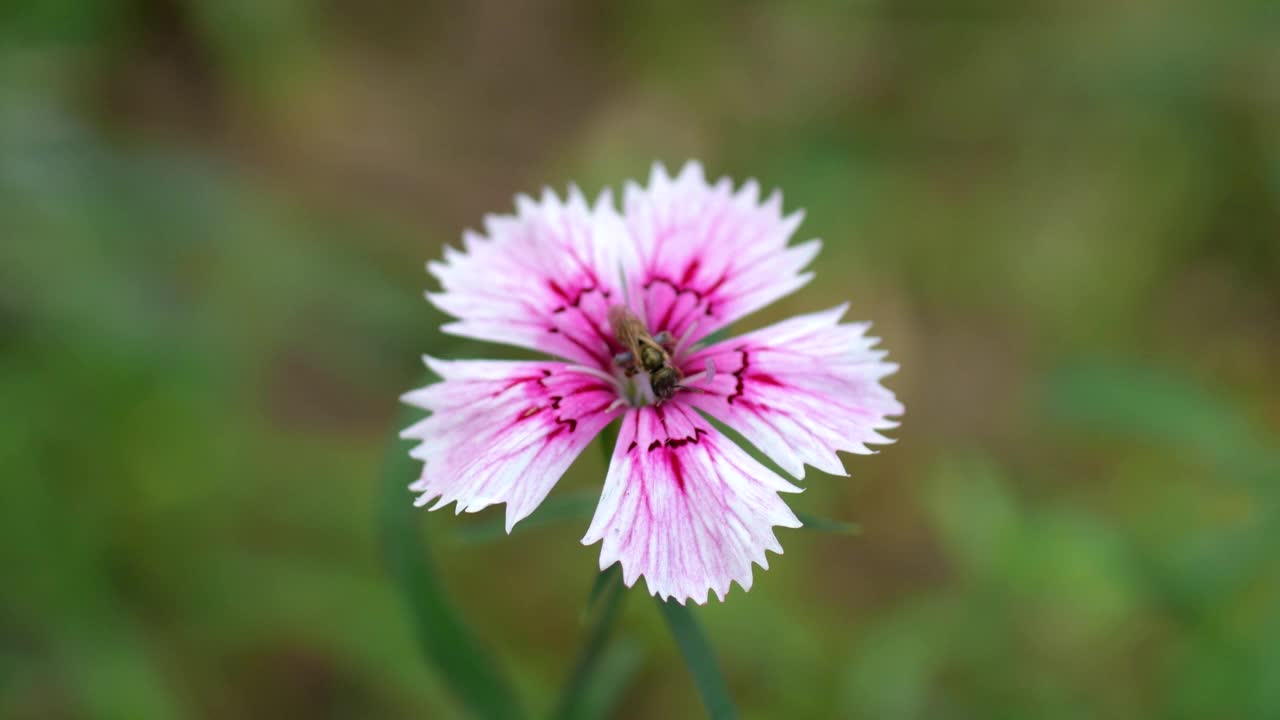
(658, 174)
(693, 172)
(604, 201)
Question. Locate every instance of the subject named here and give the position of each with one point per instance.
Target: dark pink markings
(561, 424)
(668, 446)
(513, 382)
(702, 297)
(677, 470)
(555, 288)
(745, 375)
(683, 507)
(577, 297)
(585, 330)
(689, 271)
(739, 375)
(681, 442)
(562, 420)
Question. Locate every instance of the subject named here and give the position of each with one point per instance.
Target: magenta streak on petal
(802, 390)
(739, 398)
(562, 423)
(673, 460)
(661, 413)
(684, 507)
(690, 270)
(605, 339)
(507, 282)
(539, 377)
(739, 375)
(701, 300)
(555, 288)
(504, 431)
(767, 379)
(576, 304)
(557, 399)
(590, 352)
(577, 298)
(585, 321)
(709, 306)
(681, 442)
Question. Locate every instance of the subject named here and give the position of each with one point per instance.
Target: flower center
(649, 374)
(647, 371)
(636, 390)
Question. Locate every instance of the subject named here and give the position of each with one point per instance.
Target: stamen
(642, 391)
(708, 375)
(593, 372)
(684, 337)
(697, 377)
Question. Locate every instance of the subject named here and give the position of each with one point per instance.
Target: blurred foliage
(1064, 219)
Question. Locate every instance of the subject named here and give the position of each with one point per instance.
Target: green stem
(448, 643)
(607, 594)
(700, 659)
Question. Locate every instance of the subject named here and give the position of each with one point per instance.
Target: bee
(645, 352)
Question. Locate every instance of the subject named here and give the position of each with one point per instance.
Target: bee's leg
(627, 361)
(665, 339)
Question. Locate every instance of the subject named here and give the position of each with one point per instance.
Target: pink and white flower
(683, 505)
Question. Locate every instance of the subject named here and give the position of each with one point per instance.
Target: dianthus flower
(622, 300)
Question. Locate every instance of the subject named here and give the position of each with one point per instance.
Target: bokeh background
(1063, 219)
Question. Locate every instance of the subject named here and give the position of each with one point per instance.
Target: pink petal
(706, 256)
(504, 431)
(685, 507)
(542, 279)
(800, 390)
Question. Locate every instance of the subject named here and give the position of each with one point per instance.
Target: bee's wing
(627, 328)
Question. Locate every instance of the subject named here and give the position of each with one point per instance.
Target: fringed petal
(542, 279)
(504, 432)
(705, 255)
(685, 507)
(800, 390)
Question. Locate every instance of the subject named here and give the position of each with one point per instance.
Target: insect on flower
(652, 355)
(623, 300)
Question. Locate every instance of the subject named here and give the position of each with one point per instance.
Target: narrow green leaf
(821, 524)
(606, 596)
(466, 667)
(613, 673)
(557, 508)
(607, 580)
(700, 659)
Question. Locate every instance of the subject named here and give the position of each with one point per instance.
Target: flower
(683, 505)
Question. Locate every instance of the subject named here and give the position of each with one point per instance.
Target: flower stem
(462, 661)
(700, 659)
(607, 595)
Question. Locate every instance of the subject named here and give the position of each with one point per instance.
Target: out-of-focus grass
(1063, 220)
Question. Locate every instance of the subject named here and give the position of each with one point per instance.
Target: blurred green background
(1063, 219)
